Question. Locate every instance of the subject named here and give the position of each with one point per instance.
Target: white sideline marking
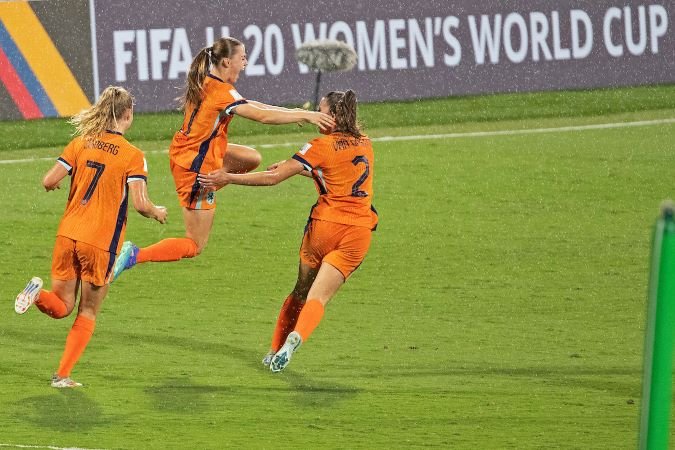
(51, 447)
(599, 126)
(471, 134)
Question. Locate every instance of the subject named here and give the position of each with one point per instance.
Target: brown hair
(113, 103)
(342, 105)
(199, 68)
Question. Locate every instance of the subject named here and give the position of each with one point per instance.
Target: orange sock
(288, 316)
(171, 249)
(309, 318)
(76, 342)
(50, 304)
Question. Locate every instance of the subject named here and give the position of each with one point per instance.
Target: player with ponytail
(338, 233)
(200, 147)
(104, 168)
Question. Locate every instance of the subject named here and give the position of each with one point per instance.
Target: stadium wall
(456, 47)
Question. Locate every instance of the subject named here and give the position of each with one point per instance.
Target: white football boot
(283, 356)
(65, 382)
(28, 296)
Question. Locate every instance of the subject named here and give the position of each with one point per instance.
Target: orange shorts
(342, 246)
(72, 260)
(190, 195)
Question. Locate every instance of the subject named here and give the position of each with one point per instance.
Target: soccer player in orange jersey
(104, 168)
(201, 146)
(337, 236)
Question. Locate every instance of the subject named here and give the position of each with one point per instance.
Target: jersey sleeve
(68, 158)
(230, 99)
(138, 168)
(311, 155)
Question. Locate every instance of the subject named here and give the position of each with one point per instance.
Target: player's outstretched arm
(283, 171)
(53, 177)
(262, 105)
(143, 204)
(279, 117)
(304, 173)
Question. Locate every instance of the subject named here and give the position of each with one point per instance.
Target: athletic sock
(51, 304)
(309, 318)
(76, 342)
(288, 316)
(171, 249)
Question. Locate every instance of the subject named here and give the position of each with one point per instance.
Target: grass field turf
(501, 306)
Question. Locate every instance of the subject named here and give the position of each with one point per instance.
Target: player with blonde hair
(104, 168)
(338, 233)
(200, 147)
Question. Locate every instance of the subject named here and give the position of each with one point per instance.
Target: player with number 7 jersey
(100, 169)
(105, 171)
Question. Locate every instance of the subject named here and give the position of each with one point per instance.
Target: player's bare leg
(241, 159)
(327, 282)
(57, 303)
(198, 224)
(67, 292)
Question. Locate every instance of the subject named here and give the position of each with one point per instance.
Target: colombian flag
(32, 69)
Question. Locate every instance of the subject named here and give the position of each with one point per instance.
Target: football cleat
(64, 382)
(267, 360)
(126, 259)
(28, 296)
(283, 356)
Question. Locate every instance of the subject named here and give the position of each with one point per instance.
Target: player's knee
(247, 163)
(255, 160)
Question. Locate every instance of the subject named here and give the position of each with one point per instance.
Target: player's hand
(51, 188)
(275, 165)
(213, 180)
(161, 214)
(323, 121)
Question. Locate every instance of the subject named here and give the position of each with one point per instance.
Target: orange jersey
(200, 144)
(342, 167)
(96, 212)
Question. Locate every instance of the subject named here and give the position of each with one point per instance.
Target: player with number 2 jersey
(338, 233)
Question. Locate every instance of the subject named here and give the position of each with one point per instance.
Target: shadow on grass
(183, 395)
(313, 393)
(180, 394)
(62, 410)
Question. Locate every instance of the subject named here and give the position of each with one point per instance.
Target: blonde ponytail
(113, 103)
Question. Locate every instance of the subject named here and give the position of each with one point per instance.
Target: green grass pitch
(502, 304)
